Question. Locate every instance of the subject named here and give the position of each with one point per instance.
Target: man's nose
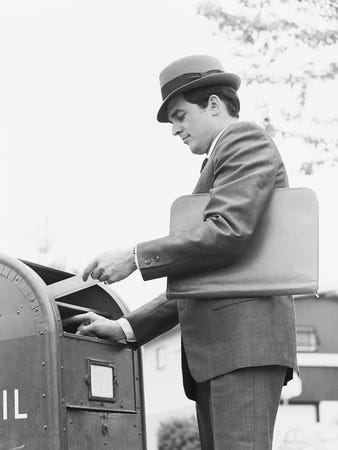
(176, 129)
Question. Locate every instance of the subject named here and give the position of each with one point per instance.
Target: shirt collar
(214, 142)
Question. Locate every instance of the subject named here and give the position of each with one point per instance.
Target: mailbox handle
(68, 310)
(69, 285)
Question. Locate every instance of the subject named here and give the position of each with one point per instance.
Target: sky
(84, 161)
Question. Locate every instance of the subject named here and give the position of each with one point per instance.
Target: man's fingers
(97, 274)
(80, 318)
(89, 269)
(85, 330)
(104, 277)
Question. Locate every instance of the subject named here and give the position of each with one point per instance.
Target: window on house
(161, 358)
(307, 339)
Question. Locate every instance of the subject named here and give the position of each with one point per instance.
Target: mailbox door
(102, 392)
(88, 430)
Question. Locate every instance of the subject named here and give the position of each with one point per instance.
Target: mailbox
(59, 390)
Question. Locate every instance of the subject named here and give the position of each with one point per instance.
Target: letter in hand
(91, 324)
(111, 266)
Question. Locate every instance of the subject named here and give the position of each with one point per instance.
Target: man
(236, 352)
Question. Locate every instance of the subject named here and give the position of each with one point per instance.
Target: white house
(164, 394)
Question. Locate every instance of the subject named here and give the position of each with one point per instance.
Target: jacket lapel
(207, 177)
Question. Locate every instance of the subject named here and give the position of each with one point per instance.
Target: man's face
(192, 123)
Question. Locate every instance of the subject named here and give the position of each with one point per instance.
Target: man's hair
(200, 96)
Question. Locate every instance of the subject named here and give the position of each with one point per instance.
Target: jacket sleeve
(154, 318)
(245, 167)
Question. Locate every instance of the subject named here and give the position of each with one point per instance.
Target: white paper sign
(101, 381)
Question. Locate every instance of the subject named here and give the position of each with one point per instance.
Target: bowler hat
(189, 73)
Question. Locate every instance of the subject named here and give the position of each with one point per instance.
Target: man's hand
(91, 324)
(111, 266)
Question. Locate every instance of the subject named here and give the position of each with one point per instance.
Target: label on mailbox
(101, 380)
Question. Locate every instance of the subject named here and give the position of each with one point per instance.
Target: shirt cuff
(135, 257)
(127, 329)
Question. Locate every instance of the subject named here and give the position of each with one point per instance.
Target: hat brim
(221, 79)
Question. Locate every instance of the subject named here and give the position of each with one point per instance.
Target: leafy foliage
(285, 43)
(179, 434)
(270, 27)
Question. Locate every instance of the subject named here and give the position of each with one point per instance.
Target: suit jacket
(222, 335)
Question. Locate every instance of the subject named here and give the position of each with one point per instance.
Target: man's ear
(214, 104)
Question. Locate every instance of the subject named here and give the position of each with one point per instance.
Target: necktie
(203, 164)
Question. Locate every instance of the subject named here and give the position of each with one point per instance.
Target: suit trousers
(237, 410)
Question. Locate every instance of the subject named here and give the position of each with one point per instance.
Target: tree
(179, 434)
(292, 46)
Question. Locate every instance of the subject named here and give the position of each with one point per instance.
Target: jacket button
(147, 261)
(157, 258)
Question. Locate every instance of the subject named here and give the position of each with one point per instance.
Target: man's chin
(192, 148)
(197, 151)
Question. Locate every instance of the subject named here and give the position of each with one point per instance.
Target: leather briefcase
(280, 259)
